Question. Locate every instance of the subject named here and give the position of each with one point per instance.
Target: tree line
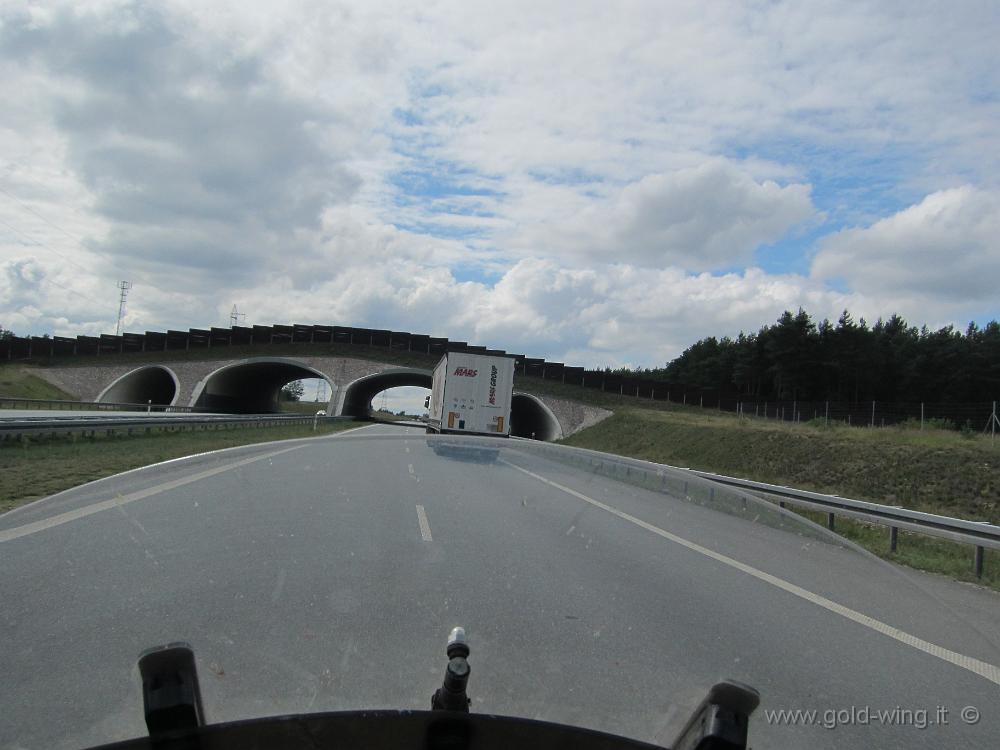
(847, 361)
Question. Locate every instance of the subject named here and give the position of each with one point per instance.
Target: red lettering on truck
(465, 372)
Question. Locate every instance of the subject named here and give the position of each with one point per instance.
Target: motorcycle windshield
(326, 574)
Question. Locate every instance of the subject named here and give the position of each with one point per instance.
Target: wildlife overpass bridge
(251, 386)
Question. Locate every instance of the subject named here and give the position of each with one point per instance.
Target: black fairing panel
(382, 730)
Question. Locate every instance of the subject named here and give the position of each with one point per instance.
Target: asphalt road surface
(325, 574)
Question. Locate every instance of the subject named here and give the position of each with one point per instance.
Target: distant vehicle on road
(471, 394)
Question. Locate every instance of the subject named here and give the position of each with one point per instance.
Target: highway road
(324, 574)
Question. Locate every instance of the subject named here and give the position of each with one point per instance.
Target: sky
(595, 183)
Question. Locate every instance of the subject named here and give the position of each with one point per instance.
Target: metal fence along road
(13, 402)
(19, 427)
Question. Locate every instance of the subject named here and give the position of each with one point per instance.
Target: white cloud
(583, 163)
(710, 216)
(945, 248)
(604, 315)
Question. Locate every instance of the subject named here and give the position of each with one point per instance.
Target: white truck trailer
(471, 395)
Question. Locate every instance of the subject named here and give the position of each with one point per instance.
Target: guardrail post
(830, 521)
(978, 562)
(893, 538)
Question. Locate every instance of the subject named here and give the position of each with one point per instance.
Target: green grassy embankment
(36, 468)
(17, 381)
(935, 471)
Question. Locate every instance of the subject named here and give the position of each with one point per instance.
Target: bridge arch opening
(356, 398)
(401, 401)
(251, 386)
(151, 383)
(530, 417)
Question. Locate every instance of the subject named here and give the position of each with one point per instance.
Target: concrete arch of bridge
(355, 399)
(151, 383)
(251, 386)
(530, 417)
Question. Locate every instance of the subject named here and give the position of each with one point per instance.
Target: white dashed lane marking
(425, 527)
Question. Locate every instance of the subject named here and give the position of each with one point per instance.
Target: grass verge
(19, 382)
(932, 471)
(37, 468)
(916, 550)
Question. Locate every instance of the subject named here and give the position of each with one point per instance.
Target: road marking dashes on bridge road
(984, 669)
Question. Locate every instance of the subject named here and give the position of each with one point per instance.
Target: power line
(36, 243)
(52, 224)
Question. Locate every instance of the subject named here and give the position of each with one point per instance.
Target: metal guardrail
(979, 534)
(11, 402)
(15, 429)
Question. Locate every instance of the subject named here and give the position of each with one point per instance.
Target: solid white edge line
(984, 669)
(425, 527)
(33, 503)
